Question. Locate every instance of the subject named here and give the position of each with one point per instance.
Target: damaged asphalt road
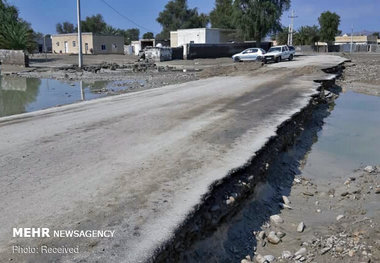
(137, 163)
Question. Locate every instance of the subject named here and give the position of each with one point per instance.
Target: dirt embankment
(363, 73)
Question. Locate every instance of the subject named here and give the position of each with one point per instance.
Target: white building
(201, 36)
(139, 45)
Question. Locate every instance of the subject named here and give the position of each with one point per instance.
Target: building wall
(173, 39)
(201, 36)
(196, 36)
(112, 44)
(136, 47)
(58, 42)
(14, 57)
(356, 40)
(91, 44)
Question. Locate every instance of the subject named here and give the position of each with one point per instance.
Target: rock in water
(276, 219)
(369, 169)
(273, 238)
(301, 227)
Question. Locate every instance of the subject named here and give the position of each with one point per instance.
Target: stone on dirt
(269, 258)
(273, 238)
(301, 252)
(259, 259)
(339, 217)
(286, 254)
(276, 219)
(301, 227)
(261, 235)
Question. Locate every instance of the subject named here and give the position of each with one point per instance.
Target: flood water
(331, 147)
(349, 139)
(19, 95)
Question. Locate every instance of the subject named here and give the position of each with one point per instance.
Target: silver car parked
(249, 54)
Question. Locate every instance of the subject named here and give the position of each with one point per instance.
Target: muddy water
(19, 95)
(349, 139)
(331, 146)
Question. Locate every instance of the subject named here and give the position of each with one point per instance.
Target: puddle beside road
(19, 95)
(349, 139)
(324, 152)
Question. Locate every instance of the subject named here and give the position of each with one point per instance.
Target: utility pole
(291, 28)
(352, 37)
(80, 58)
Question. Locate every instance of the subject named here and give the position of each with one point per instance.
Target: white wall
(197, 35)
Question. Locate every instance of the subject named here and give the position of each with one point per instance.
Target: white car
(278, 53)
(249, 54)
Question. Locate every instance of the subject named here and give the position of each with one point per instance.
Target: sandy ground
(136, 163)
(340, 221)
(363, 74)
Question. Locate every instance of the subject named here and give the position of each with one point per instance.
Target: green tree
(148, 35)
(130, 35)
(255, 19)
(306, 35)
(94, 24)
(177, 15)
(110, 30)
(329, 26)
(221, 16)
(376, 34)
(65, 28)
(15, 33)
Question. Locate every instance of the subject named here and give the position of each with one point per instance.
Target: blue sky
(44, 14)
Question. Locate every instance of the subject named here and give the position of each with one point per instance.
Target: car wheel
(291, 57)
(237, 59)
(278, 59)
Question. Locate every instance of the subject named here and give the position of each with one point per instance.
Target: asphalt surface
(136, 163)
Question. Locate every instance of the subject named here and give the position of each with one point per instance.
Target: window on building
(57, 44)
(74, 44)
(103, 47)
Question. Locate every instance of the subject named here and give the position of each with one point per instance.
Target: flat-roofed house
(358, 40)
(201, 36)
(91, 44)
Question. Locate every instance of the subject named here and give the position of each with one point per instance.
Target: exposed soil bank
(228, 196)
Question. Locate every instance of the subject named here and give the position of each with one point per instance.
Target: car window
(272, 49)
(254, 50)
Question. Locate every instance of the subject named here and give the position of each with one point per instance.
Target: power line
(123, 16)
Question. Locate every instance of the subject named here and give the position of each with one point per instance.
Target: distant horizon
(51, 12)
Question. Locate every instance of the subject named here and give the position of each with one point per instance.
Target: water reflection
(16, 93)
(19, 95)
